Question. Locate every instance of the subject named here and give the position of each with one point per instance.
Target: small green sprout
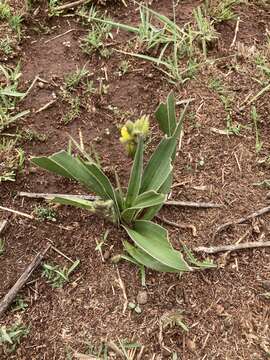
(11, 336)
(2, 246)
(45, 213)
(56, 276)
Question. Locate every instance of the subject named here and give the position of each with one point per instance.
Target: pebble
(107, 255)
(219, 309)
(142, 297)
(40, 85)
(266, 285)
(191, 345)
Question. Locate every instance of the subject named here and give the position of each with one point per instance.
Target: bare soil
(224, 309)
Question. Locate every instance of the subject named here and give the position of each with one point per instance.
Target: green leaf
(153, 239)
(47, 163)
(159, 165)
(143, 258)
(205, 264)
(104, 208)
(145, 200)
(165, 115)
(135, 175)
(118, 25)
(103, 181)
(165, 188)
(9, 92)
(66, 165)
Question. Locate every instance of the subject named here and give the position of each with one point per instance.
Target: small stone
(142, 298)
(219, 309)
(137, 309)
(191, 345)
(116, 259)
(132, 305)
(266, 285)
(107, 255)
(40, 85)
(33, 170)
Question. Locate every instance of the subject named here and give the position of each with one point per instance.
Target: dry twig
(93, 198)
(180, 226)
(243, 219)
(46, 106)
(111, 345)
(203, 205)
(232, 247)
(11, 295)
(235, 32)
(122, 286)
(3, 224)
(59, 35)
(47, 196)
(70, 5)
(17, 212)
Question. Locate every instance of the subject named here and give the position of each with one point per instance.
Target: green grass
(52, 5)
(10, 96)
(73, 79)
(74, 109)
(177, 46)
(2, 246)
(11, 336)
(15, 22)
(227, 100)
(45, 213)
(5, 11)
(6, 46)
(255, 119)
(206, 31)
(12, 159)
(223, 11)
(58, 276)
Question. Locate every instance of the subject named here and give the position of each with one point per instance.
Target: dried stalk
(232, 247)
(199, 205)
(243, 219)
(3, 224)
(11, 295)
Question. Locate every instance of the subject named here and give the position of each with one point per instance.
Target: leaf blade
(135, 175)
(153, 239)
(146, 260)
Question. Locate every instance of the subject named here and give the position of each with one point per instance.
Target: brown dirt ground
(223, 308)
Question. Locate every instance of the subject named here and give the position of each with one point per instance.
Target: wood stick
(59, 35)
(180, 226)
(70, 5)
(235, 32)
(47, 196)
(46, 106)
(203, 205)
(247, 102)
(233, 247)
(17, 212)
(243, 219)
(3, 224)
(11, 295)
(111, 345)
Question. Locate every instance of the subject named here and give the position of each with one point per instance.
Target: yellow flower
(141, 126)
(131, 132)
(125, 135)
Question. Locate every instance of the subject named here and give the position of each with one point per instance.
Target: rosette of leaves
(135, 207)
